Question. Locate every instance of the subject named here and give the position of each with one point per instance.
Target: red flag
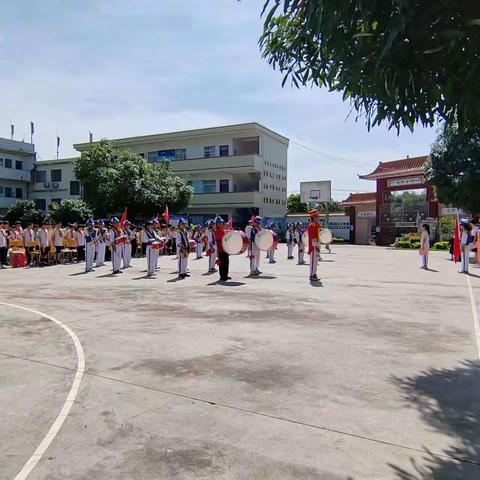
(229, 224)
(123, 219)
(456, 241)
(165, 215)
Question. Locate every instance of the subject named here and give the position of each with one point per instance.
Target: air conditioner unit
(55, 185)
(46, 184)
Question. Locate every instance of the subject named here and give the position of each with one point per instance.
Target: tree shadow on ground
(449, 401)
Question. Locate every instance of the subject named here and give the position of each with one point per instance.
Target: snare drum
(326, 236)
(158, 245)
(193, 245)
(121, 240)
(235, 242)
(266, 240)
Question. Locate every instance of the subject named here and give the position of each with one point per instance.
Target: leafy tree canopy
(24, 211)
(70, 211)
(294, 205)
(398, 61)
(113, 180)
(454, 168)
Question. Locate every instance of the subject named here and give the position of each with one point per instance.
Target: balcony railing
(236, 199)
(232, 163)
(13, 174)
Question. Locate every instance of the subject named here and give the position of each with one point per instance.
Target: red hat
(313, 213)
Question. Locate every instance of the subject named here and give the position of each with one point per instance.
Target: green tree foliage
(331, 207)
(24, 211)
(70, 211)
(294, 205)
(113, 180)
(397, 61)
(454, 168)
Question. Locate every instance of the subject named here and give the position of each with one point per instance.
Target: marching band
(51, 244)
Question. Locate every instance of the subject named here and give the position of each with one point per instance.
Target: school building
(16, 165)
(236, 170)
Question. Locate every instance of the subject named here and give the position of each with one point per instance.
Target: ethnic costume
(90, 245)
(301, 246)
(183, 248)
(290, 237)
(313, 244)
(211, 246)
(116, 247)
(149, 236)
(100, 244)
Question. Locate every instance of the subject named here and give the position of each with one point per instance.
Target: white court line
(57, 424)
(476, 322)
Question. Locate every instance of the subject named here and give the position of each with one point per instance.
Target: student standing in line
(3, 244)
(223, 257)
(425, 245)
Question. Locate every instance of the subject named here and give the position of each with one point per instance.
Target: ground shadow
(316, 284)
(107, 275)
(207, 274)
(176, 279)
(449, 402)
(432, 270)
(144, 277)
(80, 273)
(473, 275)
(226, 284)
(261, 277)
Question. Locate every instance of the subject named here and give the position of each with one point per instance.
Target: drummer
(197, 236)
(148, 237)
(313, 244)
(127, 246)
(117, 248)
(290, 237)
(223, 256)
(254, 251)
(183, 248)
(211, 245)
(271, 252)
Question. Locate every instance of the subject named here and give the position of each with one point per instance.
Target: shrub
(415, 245)
(441, 245)
(338, 240)
(402, 244)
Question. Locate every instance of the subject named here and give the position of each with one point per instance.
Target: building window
(209, 151)
(223, 150)
(74, 187)
(1, 191)
(19, 193)
(152, 157)
(56, 175)
(224, 186)
(41, 203)
(142, 155)
(8, 192)
(180, 154)
(40, 176)
(1, 161)
(204, 186)
(18, 165)
(8, 162)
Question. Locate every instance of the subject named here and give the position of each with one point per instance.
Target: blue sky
(135, 67)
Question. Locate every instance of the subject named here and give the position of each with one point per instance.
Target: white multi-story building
(235, 170)
(52, 182)
(16, 164)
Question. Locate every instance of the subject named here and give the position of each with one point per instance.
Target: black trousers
(3, 255)
(81, 253)
(224, 265)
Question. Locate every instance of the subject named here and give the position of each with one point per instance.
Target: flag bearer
(183, 248)
(90, 244)
(313, 244)
(102, 235)
(148, 237)
(117, 249)
(301, 246)
(290, 237)
(127, 246)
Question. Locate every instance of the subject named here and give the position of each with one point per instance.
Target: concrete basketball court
(373, 374)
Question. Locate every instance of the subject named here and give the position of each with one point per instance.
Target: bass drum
(266, 240)
(326, 236)
(235, 242)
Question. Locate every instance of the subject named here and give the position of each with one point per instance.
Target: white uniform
(127, 249)
(117, 250)
(465, 251)
(183, 249)
(212, 248)
(80, 238)
(197, 236)
(89, 242)
(151, 253)
(301, 246)
(100, 247)
(27, 236)
(290, 237)
(43, 237)
(253, 250)
(425, 245)
(57, 238)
